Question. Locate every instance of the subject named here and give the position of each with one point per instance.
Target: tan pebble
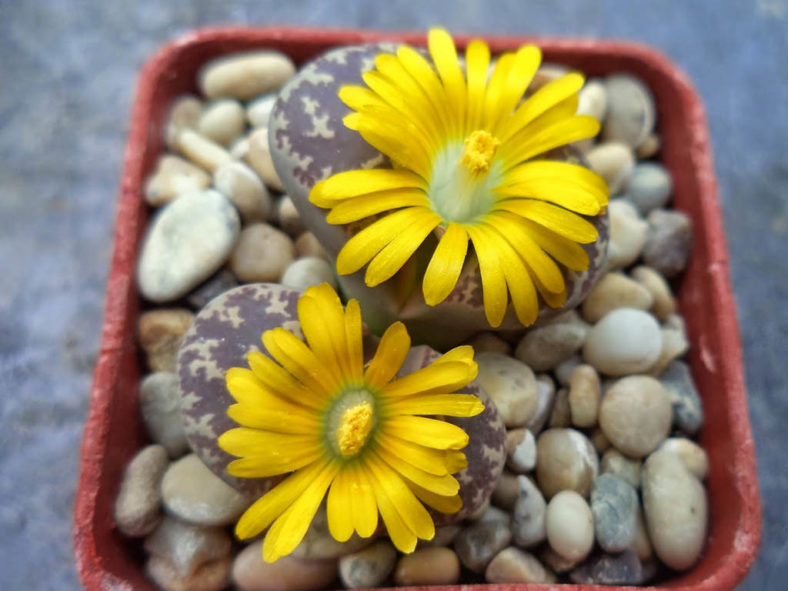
(674, 346)
(160, 333)
(307, 245)
(222, 121)
(184, 113)
(566, 460)
(626, 341)
(642, 544)
(692, 454)
(520, 451)
(241, 185)
(511, 385)
(288, 217)
(628, 233)
(259, 158)
(137, 507)
(174, 176)
(617, 464)
(430, 566)
(506, 493)
(246, 75)
(664, 302)
(261, 254)
(562, 412)
(444, 536)
(614, 162)
(251, 573)
(199, 149)
(612, 291)
(489, 342)
(570, 525)
(600, 440)
(512, 565)
(210, 576)
(649, 148)
(585, 393)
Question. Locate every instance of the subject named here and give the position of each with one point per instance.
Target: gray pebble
(137, 510)
(307, 271)
(687, 408)
(610, 569)
(478, 544)
(650, 187)
(563, 370)
(160, 408)
(614, 504)
(617, 464)
(187, 546)
(668, 241)
(216, 284)
(528, 528)
(631, 112)
(368, 567)
(544, 347)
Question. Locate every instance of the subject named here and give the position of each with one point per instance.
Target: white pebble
(625, 341)
(308, 271)
(570, 525)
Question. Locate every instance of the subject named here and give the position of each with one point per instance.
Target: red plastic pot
(113, 433)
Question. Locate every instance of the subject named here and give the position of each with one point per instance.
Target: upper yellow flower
(316, 411)
(463, 149)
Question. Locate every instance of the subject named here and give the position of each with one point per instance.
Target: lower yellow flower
(357, 432)
(465, 150)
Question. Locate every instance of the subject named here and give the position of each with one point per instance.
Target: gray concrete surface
(67, 72)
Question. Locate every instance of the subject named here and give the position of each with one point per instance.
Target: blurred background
(67, 75)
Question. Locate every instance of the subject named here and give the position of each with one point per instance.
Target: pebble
(614, 162)
(489, 342)
(623, 568)
(240, 148)
(444, 536)
(245, 75)
(555, 561)
(521, 451)
(223, 280)
(477, 544)
(619, 465)
(160, 333)
(251, 573)
(636, 415)
(318, 543)
(258, 111)
(600, 440)
(512, 565)
(528, 527)
(664, 302)
(544, 347)
(241, 185)
(642, 544)
(222, 121)
(627, 234)
(186, 243)
(262, 253)
(187, 547)
(585, 393)
(674, 346)
(566, 460)
(190, 491)
(173, 176)
(288, 217)
(546, 73)
(625, 341)
(368, 567)
(680, 387)
(561, 415)
(563, 370)
(511, 385)
(494, 515)
(204, 152)
(259, 158)
(650, 187)
(211, 576)
(631, 112)
(306, 271)
(668, 242)
(676, 510)
(614, 504)
(430, 566)
(545, 390)
(307, 245)
(613, 291)
(506, 491)
(160, 409)
(650, 147)
(692, 454)
(592, 100)
(569, 524)
(184, 113)
(137, 510)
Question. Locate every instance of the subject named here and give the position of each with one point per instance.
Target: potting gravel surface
(68, 74)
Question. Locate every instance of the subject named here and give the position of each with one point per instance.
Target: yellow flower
(357, 432)
(464, 152)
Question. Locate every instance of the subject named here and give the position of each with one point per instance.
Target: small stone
(161, 412)
(262, 254)
(528, 527)
(430, 566)
(493, 514)
(566, 460)
(210, 576)
(251, 573)
(137, 510)
(676, 510)
(642, 544)
(555, 561)
(614, 504)
(570, 525)
(674, 346)
(506, 491)
(625, 341)
(240, 149)
(173, 176)
(547, 73)
(627, 234)
(613, 291)
(692, 454)
(650, 147)
(511, 385)
(610, 569)
(368, 567)
(617, 464)
(477, 544)
(545, 390)
(303, 272)
(636, 415)
(187, 547)
(664, 302)
(600, 440)
(489, 342)
(245, 75)
(223, 280)
(259, 158)
(585, 393)
(668, 242)
(687, 408)
(544, 347)
(288, 217)
(512, 565)
(319, 544)
(204, 152)
(631, 112)
(222, 121)
(592, 100)
(258, 111)
(614, 162)
(561, 415)
(193, 493)
(444, 536)
(521, 451)
(564, 369)
(160, 333)
(241, 185)
(184, 113)
(189, 239)
(307, 245)
(650, 187)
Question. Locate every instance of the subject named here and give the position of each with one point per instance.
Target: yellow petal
(396, 142)
(281, 381)
(243, 441)
(495, 88)
(445, 266)
(462, 353)
(493, 281)
(322, 319)
(427, 432)
(451, 405)
(273, 419)
(353, 183)
(243, 385)
(477, 58)
(353, 339)
(445, 485)
(389, 357)
(339, 507)
(526, 62)
(449, 505)
(365, 509)
(401, 535)
(525, 145)
(421, 71)
(362, 207)
(568, 253)
(432, 461)
(444, 55)
(552, 217)
(267, 396)
(447, 376)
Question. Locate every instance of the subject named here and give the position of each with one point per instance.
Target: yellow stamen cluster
(354, 428)
(480, 147)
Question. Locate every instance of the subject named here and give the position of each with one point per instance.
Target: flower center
(350, 421)
(354, 427)
(480, 147)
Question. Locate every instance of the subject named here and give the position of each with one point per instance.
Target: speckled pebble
(566, 460)
(668, 242)
(506, 490)
(161, 413)
(512, 565)
(625, 341)
(251, 573)
(430, 566)
(528, 515)
(368, 567)
(262, 254)
(614, 504)
(477, 544)
(136, 510)
(570, 525)
(160, 332)
(511, 385)
(186, 547)
(613, 291)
